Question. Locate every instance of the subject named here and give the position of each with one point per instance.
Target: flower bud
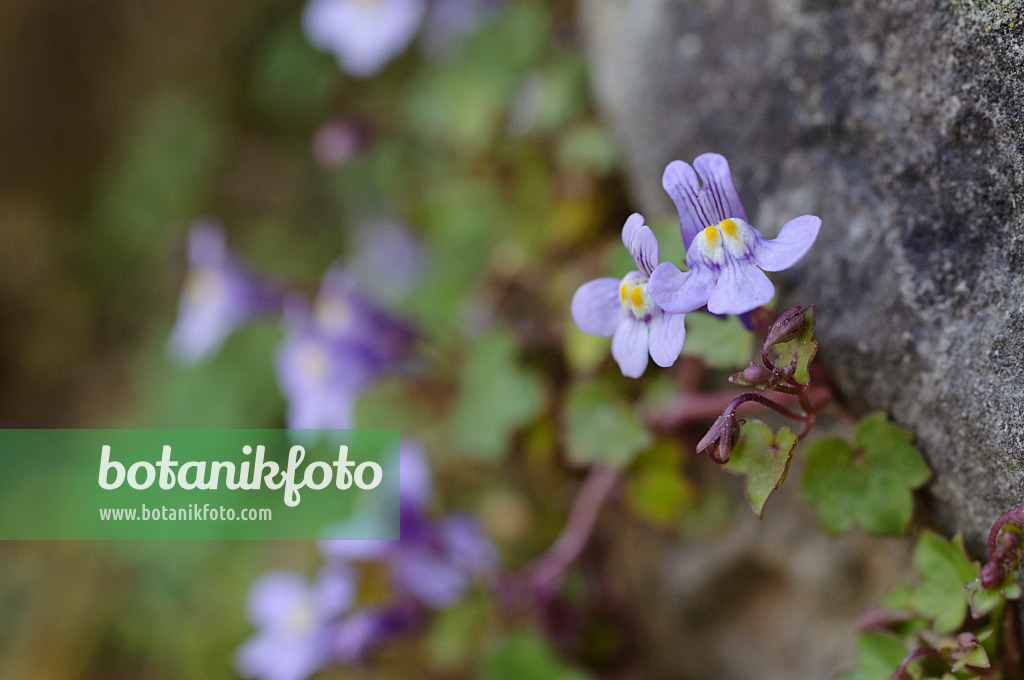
(991, 575)
(967, 640)
(721, 438)
(786, 326)
(757, 375)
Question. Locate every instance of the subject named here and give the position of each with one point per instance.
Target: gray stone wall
(901, 124)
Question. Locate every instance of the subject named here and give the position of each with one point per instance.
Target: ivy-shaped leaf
(656, 489)
(878, 655)
(721, 343)
(764, 457)
(799, 352)
(601, 428)
(870, 487)
(945, 568)
(496, 397)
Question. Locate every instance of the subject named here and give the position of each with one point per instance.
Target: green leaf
(601, 428)
(799, 352)
(496, 397)
(945, 569)
(656, 489)
(879, 655)
(872, 488)
(721, 343)
(527, 655)
(764, 457)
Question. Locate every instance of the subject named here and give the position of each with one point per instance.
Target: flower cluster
(333, 349)
(726, 258)
(303, 627)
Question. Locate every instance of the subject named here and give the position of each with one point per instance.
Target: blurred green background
(123, 122)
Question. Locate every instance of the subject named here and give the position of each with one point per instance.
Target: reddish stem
(548, 570)
(901, 672)
(1014, 516)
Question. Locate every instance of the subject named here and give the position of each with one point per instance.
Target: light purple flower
(724, 253)
(219, 294)
(321, 376)
(336, 143)
(363, 35)
(625, 310)
(451, 21)
(344, 314)
(434, 562)
(293, 620)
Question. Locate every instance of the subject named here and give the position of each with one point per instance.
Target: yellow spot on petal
(729, 227)
(623, 292)
(636, 296)
(711, 234)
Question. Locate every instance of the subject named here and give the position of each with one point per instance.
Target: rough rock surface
(900, 123)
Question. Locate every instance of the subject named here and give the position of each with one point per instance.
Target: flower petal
(793, 242)
(644, 250)
(633, 223)
(356, 549)
(681, 183)
(720, 196)
(741, 287)
(596, 307)
(274, 595)
(680, 292)
(415, 485)
(667, 336)
(629, 347)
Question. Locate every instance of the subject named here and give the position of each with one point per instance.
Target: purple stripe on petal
(793, 242)
(633, 223)
(681, 183)
(741, 288)
(596, 307)
(667, 336)
(644, 250)
(629, 347)
(719, 187)
(680, 292)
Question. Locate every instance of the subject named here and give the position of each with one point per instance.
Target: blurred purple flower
(336, 143)
(434, 562)
(451, 21)
(724, 253)
(363, 35)
(625, 310)
(219, 294)
(388, 262)
(345, 315)
(293, 620)
(320, 376)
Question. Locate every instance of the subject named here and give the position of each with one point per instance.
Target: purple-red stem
(1014, 516)
(901, 672)
(549, 568)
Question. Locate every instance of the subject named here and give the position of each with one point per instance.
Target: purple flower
(724, 253)
(625, 310)
(450, 21)
(293, 620)
(363, 35)
(343, 314)
(320, 375)
(434, 562)
(219, 294)
(336, 143)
